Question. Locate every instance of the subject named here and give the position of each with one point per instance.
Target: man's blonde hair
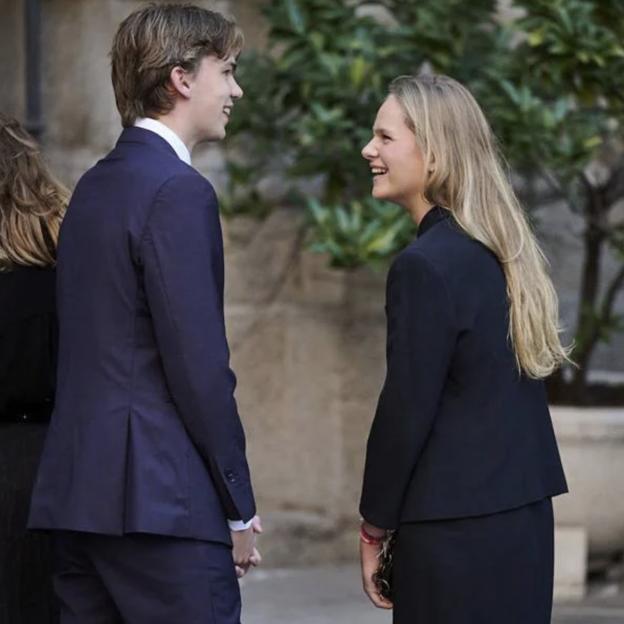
(470, 181)
(152, 41)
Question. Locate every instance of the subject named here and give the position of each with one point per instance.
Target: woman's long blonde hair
(469, 179)
(32, 201)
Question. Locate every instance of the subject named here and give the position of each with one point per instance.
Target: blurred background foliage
(548, 74)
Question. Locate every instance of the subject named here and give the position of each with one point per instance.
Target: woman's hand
(369, 559)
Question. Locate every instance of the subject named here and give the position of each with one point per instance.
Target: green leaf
(358, 71)
(592, 142)
(295, 16)
(536, 38)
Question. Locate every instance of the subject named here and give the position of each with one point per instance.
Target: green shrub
(365, 232)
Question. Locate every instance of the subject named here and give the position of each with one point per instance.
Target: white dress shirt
(183, 153)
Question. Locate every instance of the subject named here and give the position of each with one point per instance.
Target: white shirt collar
(165, 133)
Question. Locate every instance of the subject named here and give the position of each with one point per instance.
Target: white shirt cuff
(239, 525)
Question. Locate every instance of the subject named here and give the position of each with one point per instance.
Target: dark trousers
(490, 569)
(26, 595)
(144, 579)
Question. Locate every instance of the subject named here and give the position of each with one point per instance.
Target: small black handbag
(383, 575)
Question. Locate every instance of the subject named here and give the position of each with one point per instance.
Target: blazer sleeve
(182, 255)
(420, 343)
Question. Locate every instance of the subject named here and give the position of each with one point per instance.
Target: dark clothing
(484, 570)
(145, 435)
(26, 594)
(458, 431)
(28, 342)
(461, 457)
(144, 579)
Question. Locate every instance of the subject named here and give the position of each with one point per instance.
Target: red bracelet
(367, 538)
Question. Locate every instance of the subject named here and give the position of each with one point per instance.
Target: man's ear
(179, 82)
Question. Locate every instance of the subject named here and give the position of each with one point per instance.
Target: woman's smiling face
(396, 160)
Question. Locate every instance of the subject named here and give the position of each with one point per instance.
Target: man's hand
(369, 559)
(243, 544)
(244, 550)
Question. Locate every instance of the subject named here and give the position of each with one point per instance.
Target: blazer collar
(145, 137)
(166, 133)
(435, 215)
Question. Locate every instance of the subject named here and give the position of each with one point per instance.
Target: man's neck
(175, 124)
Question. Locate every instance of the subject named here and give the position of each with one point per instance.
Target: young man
(145, 463)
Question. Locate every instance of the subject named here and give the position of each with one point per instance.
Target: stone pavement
(332, 594)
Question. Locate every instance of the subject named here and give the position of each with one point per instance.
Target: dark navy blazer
(145, 434)
(458, 431)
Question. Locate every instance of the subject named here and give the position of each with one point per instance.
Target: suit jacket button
(230, 476)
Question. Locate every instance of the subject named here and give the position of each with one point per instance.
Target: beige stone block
(570, 563)
(363, 353)
(591, 443)
(308, 349)
(79, 106)
(288, 373)
(259, 264)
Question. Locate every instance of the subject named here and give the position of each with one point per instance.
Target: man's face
(213, 92)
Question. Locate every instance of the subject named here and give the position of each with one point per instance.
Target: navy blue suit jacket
(458, 431)
(145, 434)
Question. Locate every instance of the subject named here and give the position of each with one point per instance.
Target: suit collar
(166, 133)
(145, 137)
(435, 215)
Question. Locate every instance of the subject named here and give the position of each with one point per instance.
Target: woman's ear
(431, 165)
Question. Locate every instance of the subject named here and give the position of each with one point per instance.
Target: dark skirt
(482, 570)
(26, 593)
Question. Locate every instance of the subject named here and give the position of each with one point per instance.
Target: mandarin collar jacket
(458, 430)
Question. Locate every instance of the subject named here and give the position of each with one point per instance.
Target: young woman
(461, 460)
(32, 205)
